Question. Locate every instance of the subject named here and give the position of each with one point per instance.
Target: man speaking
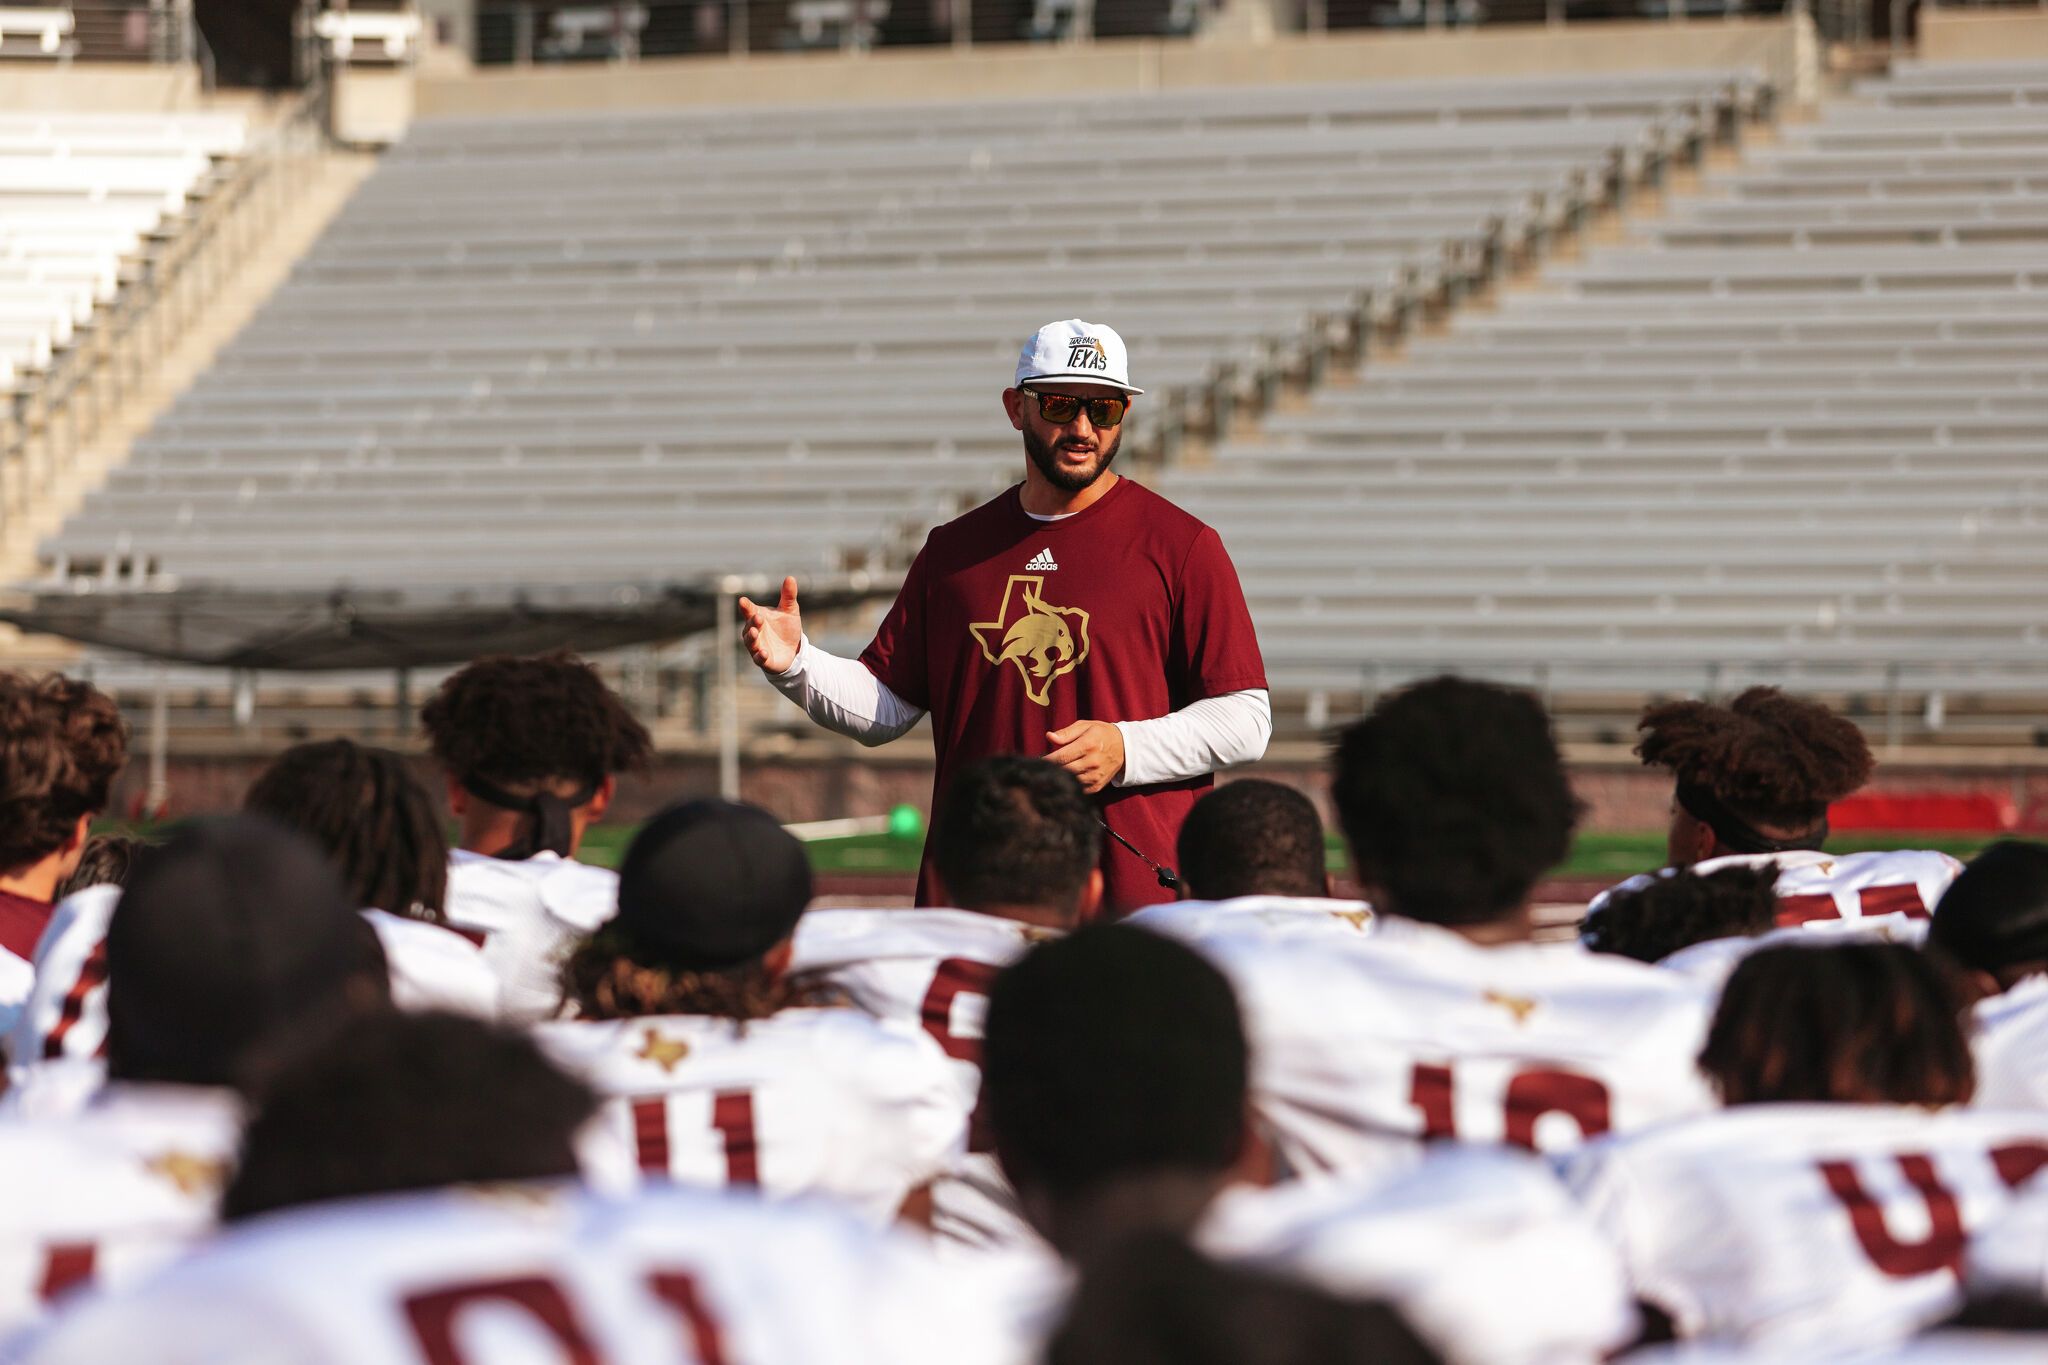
(1078, 616)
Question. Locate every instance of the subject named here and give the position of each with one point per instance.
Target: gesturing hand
(1092, 750)
(774, 634)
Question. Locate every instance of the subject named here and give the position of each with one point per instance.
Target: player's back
(1888, 891)
(1807, 1224)
(932, 969)
(1482, 1250)
(2009, 1040)
(1415, 1033)
(110, 1193)
(528, 913)
(65, 1014)
(1279, 917)
(808, 1101)
(494, 1276)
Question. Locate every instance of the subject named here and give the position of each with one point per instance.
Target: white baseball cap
(1076, 352)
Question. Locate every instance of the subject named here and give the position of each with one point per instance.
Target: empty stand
(1793, 432)
(643, 347)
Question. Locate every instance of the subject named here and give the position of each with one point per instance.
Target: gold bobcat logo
(664, 1051)
(1521, 1006)
(191, 1174)
(1044, 641)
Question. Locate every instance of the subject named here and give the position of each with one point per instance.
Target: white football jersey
(109, 1193)
(931, 969)
(1710, 963)
(1896, 888)
(1482, 1250)
(433, 967)
(1362, 1051)
(805, 1102)
(521, 1274)
(65, 1014)
(1934, 1348)
(65, 1017)
(2010, 1254)
(2009, 1038)
(1807, 1224)
(1196, 922)
(528, 915)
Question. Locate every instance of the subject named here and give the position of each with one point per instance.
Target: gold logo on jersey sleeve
(1521, 1006)
(664, 1051)
(1044, 641)
(1357, 919)
(191, 1174)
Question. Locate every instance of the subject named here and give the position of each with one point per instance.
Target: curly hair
(370, 815)
(64, 743)
(1652, 922)
(1850, 1023)
(1454, 800)
(1772, 759)
(521, 722)
(605, 980)
(105, 862)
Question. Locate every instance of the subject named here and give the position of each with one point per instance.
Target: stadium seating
(622, 348)
(1793, 431)
(81, 198)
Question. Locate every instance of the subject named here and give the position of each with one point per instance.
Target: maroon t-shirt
(1008, 627)
(22, 922)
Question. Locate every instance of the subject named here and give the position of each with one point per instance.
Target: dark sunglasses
(1060, 409)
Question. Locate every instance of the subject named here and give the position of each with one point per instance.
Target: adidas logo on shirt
(1042, 560)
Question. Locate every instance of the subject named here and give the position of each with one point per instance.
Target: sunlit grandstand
(1616, 356)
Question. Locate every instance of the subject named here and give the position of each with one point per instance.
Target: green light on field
(905, 823)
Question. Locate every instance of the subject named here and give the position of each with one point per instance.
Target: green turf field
(1594, 855)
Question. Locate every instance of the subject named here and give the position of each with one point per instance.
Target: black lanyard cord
(1168, 878)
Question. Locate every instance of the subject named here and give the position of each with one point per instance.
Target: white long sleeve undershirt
(1201, 737)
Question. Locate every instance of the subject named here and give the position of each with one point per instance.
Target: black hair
(1852, 1023)
(522, 723)
(1252, 838)
(228, 941)
(1769, 758)
(105, 862)
(370, 815)
(396, 1102)
(1113, 1051)
(61, 744)
(1156, 1301)
(1012, 830)
(1652, 922)
(1995, 915)
(1453, 799)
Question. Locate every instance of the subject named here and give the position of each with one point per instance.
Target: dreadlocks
(371, 817)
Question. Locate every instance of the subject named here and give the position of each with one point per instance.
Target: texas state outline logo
(1044, 641)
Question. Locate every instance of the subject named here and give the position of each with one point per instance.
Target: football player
(379, 828)
(1992, 925)
(531, 749)
(61, 744)
(1448, 1020)
(406, 1194)
(1753, 782)
(718, 1068)
(228, 940)
(1252, 860)
(1015, 846)
(1700, 923)
(1829, 1205)
(1117, 1093)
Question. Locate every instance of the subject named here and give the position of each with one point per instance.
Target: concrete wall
(1950, 35)
(103, 87)
(1781, 48)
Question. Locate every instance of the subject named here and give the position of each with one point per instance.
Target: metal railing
(54, 412)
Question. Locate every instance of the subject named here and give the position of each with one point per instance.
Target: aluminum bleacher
(636, 348)
(1792, 432)
(82, 197)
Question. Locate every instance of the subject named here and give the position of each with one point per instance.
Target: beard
(1045, 455)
